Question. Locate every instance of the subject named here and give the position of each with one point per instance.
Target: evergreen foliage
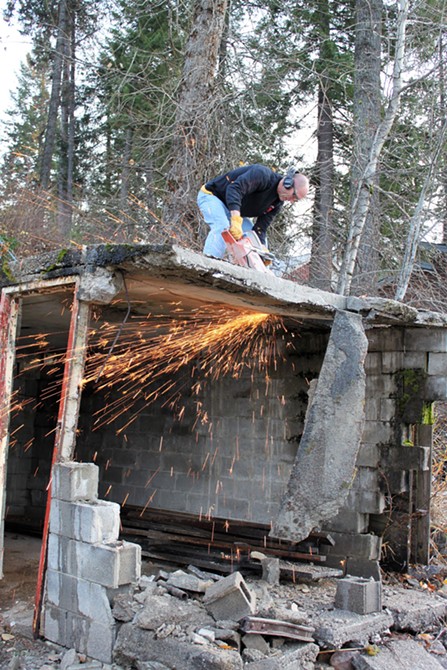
(93, 138)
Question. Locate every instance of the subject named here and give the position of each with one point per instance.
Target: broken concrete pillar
(86, 563)
(360, 595)
(325, 463)
(230, 598)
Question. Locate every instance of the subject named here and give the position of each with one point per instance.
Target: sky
(13, 49)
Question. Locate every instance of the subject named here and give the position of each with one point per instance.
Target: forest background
(124, 108)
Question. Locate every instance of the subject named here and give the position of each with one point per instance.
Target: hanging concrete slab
(325, 464)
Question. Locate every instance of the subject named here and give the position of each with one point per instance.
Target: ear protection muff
(288, 179)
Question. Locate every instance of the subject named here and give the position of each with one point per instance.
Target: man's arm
(263, 222)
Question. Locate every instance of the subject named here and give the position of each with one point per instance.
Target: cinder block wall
(31, 445)
(406, 371)
(234, 464)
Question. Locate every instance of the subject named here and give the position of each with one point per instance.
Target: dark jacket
(252, 190)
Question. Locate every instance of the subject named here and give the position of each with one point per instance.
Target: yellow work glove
(236, 227)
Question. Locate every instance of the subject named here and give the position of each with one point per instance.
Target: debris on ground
(193, 619)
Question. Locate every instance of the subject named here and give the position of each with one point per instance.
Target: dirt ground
(18, 649)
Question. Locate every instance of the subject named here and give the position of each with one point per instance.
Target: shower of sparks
(159, 357)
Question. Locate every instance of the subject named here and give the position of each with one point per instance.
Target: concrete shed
(151, 377)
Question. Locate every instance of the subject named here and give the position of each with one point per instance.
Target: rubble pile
(194, 620)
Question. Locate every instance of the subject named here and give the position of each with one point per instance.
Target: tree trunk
(126, 220)
(66, 159)
(192, 127)
(367, 116)
(364, 185)
(54, 103)
(322, 235)
(443, 112)
(414, 231)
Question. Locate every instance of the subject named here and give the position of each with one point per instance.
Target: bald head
(298, 191)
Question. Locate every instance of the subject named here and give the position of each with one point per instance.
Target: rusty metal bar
(66, 425)
(9, 318)
(261, 626)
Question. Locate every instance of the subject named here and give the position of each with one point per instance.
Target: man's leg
(217, 216)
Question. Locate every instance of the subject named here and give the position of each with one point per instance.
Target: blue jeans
(217, 216)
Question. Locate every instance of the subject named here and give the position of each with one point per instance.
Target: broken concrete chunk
(207, 633)
(301, 656)
(100, 287)
(256, 641)
(342, 660)
(137, 648)
(230, 598)
(124, 607)
(336, 628)
(415, 611)
(161, 609)
(398, 655)
(325, 463)
(182, 580)
(202, 574)
(270, 570)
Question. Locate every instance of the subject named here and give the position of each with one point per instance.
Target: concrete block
(404, 457)
(392, 361)
(415, 360)
(380, 385)
(373, 362)
(110, 565)
(368, 456)
(57, 553)
(54, 624)
(425, 435)
(358, 594)
(75, 481)
(77, 632)
(366, 479)
(437, 364)
(363, 568)
(230, 598)
(377, 431)
(365, 546)
(387, 409)
(94, 522)
(372, 502)
(348, 521)
(78, 596)
(397, 481)
(435, 388)
(391, 339)
(372, 409)
(425, 339)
